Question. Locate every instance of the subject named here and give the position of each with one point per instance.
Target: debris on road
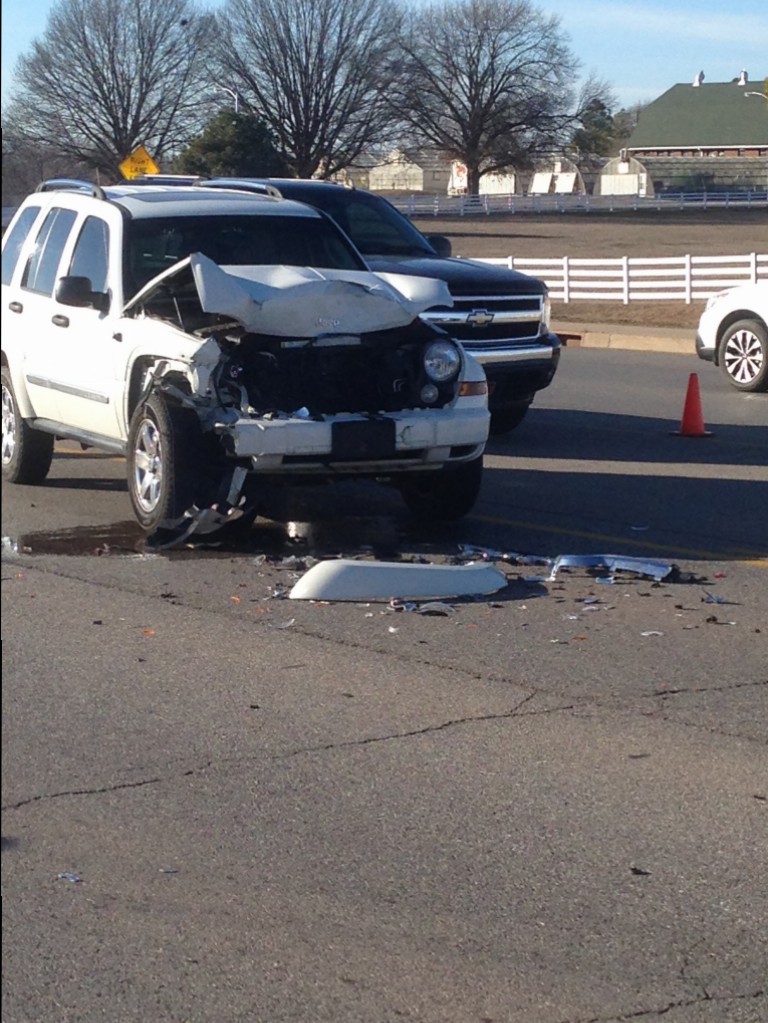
(345, 579)
(612, 563)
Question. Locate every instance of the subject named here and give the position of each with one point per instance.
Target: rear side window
(40, 272)
(16, 238)
(91, 256)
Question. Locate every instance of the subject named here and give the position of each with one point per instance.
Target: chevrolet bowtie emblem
(480, 318)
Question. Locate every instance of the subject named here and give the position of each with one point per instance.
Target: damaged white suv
(219, 339)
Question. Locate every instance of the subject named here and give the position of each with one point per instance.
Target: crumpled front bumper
(355, 444)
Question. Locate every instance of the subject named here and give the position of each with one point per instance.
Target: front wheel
(744, 355)
(27, 453)
(162, 480)
(445, 494)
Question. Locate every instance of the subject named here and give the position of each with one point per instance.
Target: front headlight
(442, 361)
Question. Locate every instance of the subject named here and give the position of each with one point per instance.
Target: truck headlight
(442, 361)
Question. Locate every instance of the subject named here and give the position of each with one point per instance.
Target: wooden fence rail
(637, 278)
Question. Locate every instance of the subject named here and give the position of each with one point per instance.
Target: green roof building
(703, 136)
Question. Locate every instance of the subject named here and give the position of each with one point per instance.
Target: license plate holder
(363, 441)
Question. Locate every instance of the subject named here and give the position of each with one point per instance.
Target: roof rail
(71, 185)
(241, 185)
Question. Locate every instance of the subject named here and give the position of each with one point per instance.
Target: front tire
(744, 355)
(26, 453)
(508, 417)
(163, 482)
(445, 494)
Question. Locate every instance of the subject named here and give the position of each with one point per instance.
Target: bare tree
(109, 75)
(489, 82)
(312, 71)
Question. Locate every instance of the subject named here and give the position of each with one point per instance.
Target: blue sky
(639, 47)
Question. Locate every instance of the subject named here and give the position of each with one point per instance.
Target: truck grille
(491, 320)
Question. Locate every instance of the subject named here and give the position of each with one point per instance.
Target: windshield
(373, 224)
(153, 245)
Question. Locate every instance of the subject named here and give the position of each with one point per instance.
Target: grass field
(715, 232)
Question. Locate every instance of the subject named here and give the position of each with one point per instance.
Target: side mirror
(440, 244)
(78, 291)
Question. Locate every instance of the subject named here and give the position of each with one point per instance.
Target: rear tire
(744, 355)
(26, 453)
(445, 494)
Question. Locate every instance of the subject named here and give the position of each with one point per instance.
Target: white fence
(424, 205)
(637, 278)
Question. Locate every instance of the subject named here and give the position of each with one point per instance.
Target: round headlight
(442, 361)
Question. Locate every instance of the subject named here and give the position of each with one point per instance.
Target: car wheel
(26, 453)
(744, 355)
(163, 481)
(445, 494)
(507, 417)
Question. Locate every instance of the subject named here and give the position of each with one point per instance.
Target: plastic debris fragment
(343, 579)
(613, 563)
(68, 875)
(435, 607)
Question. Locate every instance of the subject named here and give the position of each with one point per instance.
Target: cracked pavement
(547, 807)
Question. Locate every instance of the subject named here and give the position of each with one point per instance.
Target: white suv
(733, 334)
(219, 338)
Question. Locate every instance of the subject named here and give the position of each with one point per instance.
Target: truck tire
(445, 494)
(506, 417)
(27, 453)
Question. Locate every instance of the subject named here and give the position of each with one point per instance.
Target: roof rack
(241, 185)
(162, 179)
(71, 185)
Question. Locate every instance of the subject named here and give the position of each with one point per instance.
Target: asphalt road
(545, 806)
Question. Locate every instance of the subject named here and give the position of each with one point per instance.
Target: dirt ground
(716, 232)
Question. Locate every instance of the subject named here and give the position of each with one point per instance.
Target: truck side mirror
(440, 244)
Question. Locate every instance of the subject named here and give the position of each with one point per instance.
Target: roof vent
(743, 77)
(698, 79)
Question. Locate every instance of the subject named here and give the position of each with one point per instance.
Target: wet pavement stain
(380, 536)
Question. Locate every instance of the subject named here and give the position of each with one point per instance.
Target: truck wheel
(445, 494)
(507, 417)
(162, 479)
(27, 453)
(744, 355)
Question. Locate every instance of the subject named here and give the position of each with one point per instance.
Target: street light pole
(232, 92)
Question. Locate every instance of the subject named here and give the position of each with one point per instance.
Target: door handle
(59, 320)
(16, 307)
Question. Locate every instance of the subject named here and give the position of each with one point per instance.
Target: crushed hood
(287, 301)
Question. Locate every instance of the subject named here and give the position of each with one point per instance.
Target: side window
(91, 256)
(369, 231)
(15, 240)
(40, 272)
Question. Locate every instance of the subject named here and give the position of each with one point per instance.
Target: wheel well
(136, 386)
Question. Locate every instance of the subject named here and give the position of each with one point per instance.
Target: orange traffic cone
(692, 423)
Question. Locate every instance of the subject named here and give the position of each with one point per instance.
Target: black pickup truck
(499, 315)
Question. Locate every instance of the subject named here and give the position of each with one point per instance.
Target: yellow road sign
(139, 162)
